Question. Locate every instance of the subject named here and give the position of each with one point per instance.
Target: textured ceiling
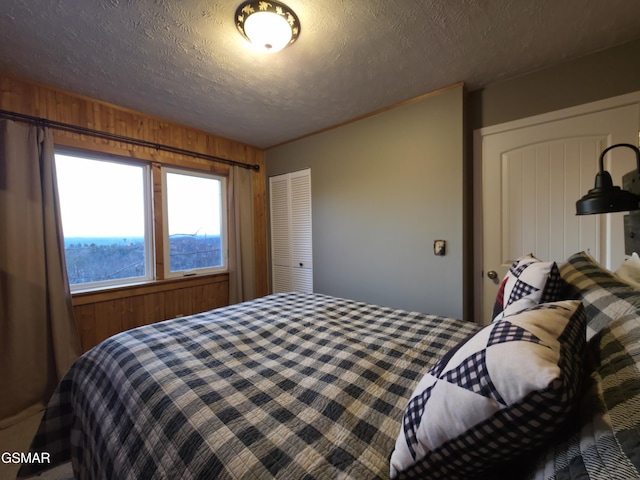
(184, 61)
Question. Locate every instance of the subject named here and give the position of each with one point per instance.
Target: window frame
(224, 236)
(147, 191)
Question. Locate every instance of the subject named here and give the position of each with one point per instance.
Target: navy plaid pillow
(503, 392)
(603, 294)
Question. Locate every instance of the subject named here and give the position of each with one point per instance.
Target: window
(106, 216)
(108, 219)
(194, 222)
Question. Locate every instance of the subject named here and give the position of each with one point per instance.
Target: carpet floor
(17, 438)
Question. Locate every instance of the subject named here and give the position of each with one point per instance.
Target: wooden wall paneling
(193, 301)
(211, 296)
(109, 319)
(207, 297)
(200, 302)
(108, 314)
(220, 290)
(215, 292)
(153, 308)
(102, 314)
(134, 312)
(86, 322)
(177, 303)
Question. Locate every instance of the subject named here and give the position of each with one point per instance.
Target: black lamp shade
(604, 197)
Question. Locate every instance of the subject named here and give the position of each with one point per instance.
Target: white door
(280, 233)
(534, 171)
(291, 245)
(301, 251)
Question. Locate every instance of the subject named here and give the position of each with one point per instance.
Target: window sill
(83, 297)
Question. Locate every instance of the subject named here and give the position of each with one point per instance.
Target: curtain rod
(120, 138)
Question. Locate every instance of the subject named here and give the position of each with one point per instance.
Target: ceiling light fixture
(269, 26)
(605, 197)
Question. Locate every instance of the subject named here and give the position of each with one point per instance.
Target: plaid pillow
(603, 294)
(501, 393)
(528, 282)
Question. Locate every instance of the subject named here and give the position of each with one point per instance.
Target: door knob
(492, 274)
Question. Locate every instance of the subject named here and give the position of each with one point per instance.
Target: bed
(302, 386)
(285, 386)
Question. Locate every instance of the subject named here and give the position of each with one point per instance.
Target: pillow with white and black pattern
(528, 282)
(504, 391)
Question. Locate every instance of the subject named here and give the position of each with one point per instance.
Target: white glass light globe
(268, 32)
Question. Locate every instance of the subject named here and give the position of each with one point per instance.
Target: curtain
(241, 235)
(38, 335)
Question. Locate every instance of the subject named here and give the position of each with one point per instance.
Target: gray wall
(381, 181)
(383, 189)
(601, 75)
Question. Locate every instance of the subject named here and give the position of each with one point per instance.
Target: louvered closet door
(280, 234)
(301, 255)
(291, 247)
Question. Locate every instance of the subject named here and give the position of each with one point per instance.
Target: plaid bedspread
(603, 441)
(288, 386)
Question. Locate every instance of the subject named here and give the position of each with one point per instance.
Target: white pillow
(629, 271)
(500, 393)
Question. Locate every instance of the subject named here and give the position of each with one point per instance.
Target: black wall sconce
(605, 197)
